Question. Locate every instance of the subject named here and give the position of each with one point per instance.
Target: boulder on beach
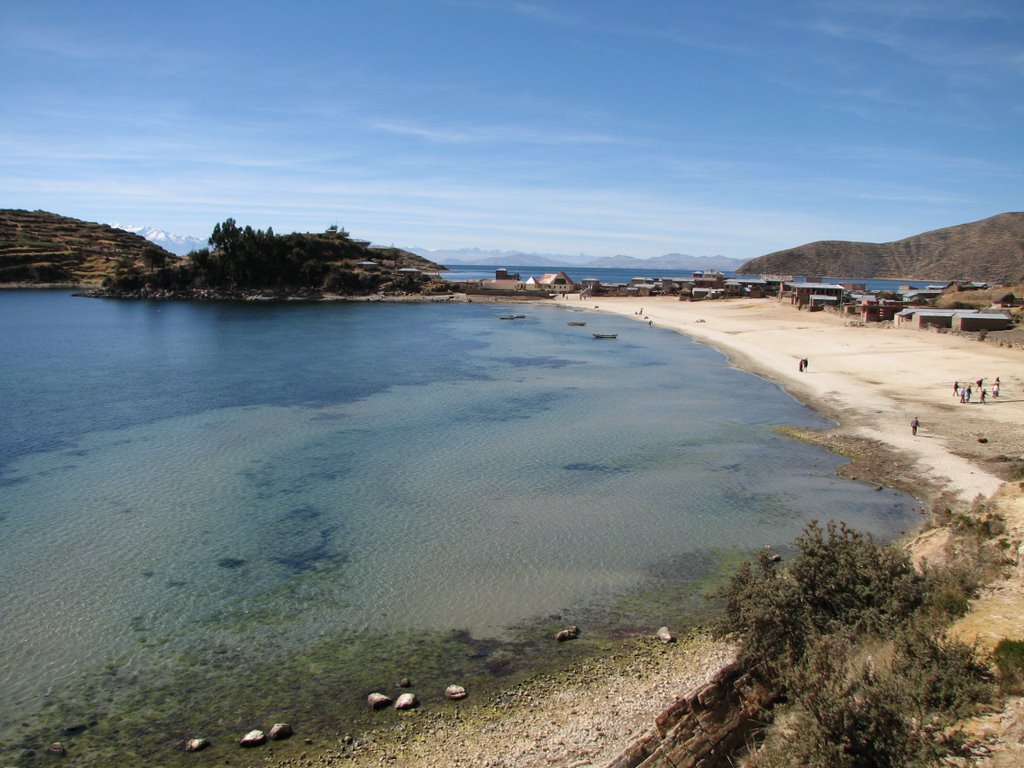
(195, 745)
(569, 633)
(377, 701)
(664, 635)
(280, 731)
(253, 738)
(406, 701)
(57, 749)
(454, 692)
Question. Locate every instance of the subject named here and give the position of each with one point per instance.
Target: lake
(220, 514)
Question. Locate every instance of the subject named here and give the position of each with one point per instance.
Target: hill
(40, 247)
(991, 250)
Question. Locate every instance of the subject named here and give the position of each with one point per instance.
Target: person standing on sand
(914, 425)
(995, 388)
(963, 395)
(969, 393)
(956, 388)
(984, 393)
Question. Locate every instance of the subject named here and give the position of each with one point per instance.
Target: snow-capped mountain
(178, 244)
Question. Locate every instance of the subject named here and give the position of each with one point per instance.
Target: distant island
(990, 250)
(43, 248)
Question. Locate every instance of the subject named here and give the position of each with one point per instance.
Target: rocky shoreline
(255, 295)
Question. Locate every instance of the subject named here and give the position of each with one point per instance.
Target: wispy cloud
(501, 134)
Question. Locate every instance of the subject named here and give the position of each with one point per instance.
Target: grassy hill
(37, 247)
(991, 250)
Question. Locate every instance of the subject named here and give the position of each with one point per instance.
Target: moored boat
(606, 335)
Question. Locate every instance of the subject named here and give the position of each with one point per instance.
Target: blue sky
(597, 127)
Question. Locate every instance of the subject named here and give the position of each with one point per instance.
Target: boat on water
(511, 317)
(606, 335)
(576, 322)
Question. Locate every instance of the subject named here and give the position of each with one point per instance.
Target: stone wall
(703, 728)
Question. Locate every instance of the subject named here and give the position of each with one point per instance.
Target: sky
(598, 127)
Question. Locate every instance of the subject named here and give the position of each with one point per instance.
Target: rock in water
(57, 749)
(280, 731)
(377, 701)
(454, 692)
(253, 738)
(569, 633)
(406, 701)
(195, 745)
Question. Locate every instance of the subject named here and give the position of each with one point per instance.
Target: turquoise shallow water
(181, 479)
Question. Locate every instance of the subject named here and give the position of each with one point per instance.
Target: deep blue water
(177, 479)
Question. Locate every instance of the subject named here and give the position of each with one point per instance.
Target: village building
(556, 282)
(816, 295)
(981, 321)
(503, 280)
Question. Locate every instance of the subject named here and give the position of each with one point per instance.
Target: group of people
(965, 393)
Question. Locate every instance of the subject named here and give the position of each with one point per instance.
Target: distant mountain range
(177, 244)
(991, 250)
(498, 258)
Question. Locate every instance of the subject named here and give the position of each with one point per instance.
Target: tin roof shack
(926, 317)
(642, 289)
(816, 295)
(874, 309)
(980, 321)
(709, 278)
(670, 286)
(749, 287)
(920, 295)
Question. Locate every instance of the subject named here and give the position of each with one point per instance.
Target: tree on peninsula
(243, 258)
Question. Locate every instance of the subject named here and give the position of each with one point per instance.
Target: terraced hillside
(37, 247)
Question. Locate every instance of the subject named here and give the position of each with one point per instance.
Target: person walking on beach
(969, 393)
(956, 388)
(963, 395)
(984, 392)
(914, 425)
(995, 388)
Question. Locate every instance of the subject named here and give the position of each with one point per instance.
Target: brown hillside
(41, 247)
(990, 250)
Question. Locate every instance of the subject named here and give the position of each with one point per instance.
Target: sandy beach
(873, 380)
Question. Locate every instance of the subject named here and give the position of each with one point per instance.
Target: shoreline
(590, 714)
(872, 381)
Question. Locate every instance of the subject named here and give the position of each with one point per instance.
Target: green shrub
(1009, 658)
